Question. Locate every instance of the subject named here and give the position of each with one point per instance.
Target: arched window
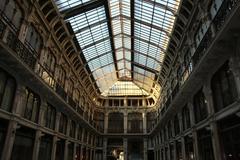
(12, 12)
(135, 122)
(72, 129)
(76, 95)
(62, 76)
(223, 87)
(50, 117)
(176, 125)
(115, 123)
(33, 39)
(31, 105)
(50, 62)
(200, 106)
(63, 124)
(7, 90)
(186, 118)
(70, 88)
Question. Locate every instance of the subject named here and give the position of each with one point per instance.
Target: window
(189, 147)
(76, 95)
(63, 124)
(223, 87)
(135, 123)
(200, 106)
(169, 127)
(70, 88)
(179, 150)
(186, 118)
(7, 90)
(72, 129)
(205, 144)
(80, 133)
(70, 151)
(23, 144)
(50, 62)
(115, 123)
(229, 136)
(62, 76)
(50, 116)
(31, 105)
(33, 39)
(176, 125)
(13, 12)
(60, 150)
(3, 132)
(45, 148)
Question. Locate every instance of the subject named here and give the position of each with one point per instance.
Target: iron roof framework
(123, 41)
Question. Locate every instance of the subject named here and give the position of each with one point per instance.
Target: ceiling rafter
(82, 8)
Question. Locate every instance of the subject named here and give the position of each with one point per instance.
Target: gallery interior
(119, 79)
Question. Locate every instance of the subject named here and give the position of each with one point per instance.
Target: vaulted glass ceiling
(123, 42)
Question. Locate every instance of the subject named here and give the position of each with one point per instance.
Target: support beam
(71, 12)
(111, 36)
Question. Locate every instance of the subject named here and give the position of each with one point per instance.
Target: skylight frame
(153, 24)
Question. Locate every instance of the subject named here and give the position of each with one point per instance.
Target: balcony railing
(24, 51)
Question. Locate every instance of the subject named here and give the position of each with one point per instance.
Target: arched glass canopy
(123, 42)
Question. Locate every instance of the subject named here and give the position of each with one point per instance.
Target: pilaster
(9, 141)
(145, 149)
(37, 144)
(125, 148)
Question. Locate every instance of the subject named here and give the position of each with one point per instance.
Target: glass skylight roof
(121, 27)
(123, 60)
(125, 88)
(152, 26)
(91, 31)
(66, 4)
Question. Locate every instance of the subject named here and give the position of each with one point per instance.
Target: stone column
(175, 150)
(19, 100)
(125, 122)
(164, 152)
(191, 112)
(144, 122)
(66, 150)
(57, 122)
(180, 122)
(144, 102)
(125, 101)
(125, 148)
(155, 154)
(74, 150)
(195, 145)
(9, 141)
(81, 152)
(94, 154)
(145, 149)
(183, 147)
(106, 123)
(37, 144)
(54, 147)
(42, 111)
(90, 150)
(215, 141)
(105, 148)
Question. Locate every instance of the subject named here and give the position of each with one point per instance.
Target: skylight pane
(66, 4)
(92, 33)
(121, 27)
(123, 88)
